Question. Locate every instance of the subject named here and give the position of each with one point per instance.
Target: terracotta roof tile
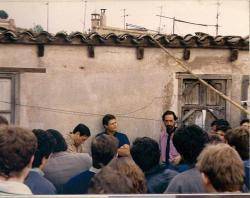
(200, 40)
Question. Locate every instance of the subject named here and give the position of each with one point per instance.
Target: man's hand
(124, 151)
(176, 160)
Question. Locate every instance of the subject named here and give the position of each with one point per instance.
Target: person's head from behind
(189, 142)
(45, 145)
(17, 148)
(214, 139)
(239, 138)
(222, 169)
(109, 123)
(169, 118)
(3, 121)
(109, 181)
(103, 149)
(60, 143)
(80, 134)
(245, 123)
(127, 167)
(146, 153)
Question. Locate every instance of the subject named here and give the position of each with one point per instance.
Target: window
(7, 96)
(200, 105)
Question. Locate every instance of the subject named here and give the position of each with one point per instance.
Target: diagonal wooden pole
(183, 66)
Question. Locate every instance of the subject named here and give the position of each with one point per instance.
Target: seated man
(76, 138)
(110, 125)
(189, 142)
(63, 165)
(103, 149)
(221, 128)
(245, 123)
(36, 180)
(168, 151)
(239, 138)
(221, 168)
(146, 154)
(17, 148)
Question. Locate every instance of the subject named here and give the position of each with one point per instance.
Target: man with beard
(168, 151)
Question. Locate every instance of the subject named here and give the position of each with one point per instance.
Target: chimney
(95, 21)
(103, 19)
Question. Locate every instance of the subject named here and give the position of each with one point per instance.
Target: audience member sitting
(76, 138)
(109, 181)
(189, 142)
(214, 139)
(221, 168)
(3, 121)
(245, 123)
(63, 165)
(36, 180)
(222, 127)
(103, 149)
(146, 154)
(239, 139)
(128, 167)
(17, 148)
(120, 176)
(110, 125)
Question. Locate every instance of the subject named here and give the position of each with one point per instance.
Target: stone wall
(76, 88)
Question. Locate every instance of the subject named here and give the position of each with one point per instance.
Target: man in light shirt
(17, 148)
(76, 138)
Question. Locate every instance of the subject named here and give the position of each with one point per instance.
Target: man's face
(112, 126)
(246, 125)
(80, 139)
(169, 120)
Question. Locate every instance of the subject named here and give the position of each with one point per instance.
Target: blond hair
(223, 167)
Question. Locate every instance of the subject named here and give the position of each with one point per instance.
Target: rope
(183, 66)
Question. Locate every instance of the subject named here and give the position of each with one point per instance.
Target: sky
(69, 15)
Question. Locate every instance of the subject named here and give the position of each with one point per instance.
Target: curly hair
(17, 146)
(189, 142)
(146, 153)
(128, 167)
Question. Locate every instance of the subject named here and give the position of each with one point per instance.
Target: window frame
(13, 77)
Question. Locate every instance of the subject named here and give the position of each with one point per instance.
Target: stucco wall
(77, 88)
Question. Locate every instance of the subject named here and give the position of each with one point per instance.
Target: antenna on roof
(124, 18)
(159, 28)
(217, 18)
(84, 16)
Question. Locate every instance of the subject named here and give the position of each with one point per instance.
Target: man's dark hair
(189, 142)
(239, 139)
(3, 121)
(214, 123)
(244, 121)
(82, 129)
(103, 149)
(146, 153)
(45, 142)
(60, 143)
(107, 118)
(17, 146)
(169, 113)
(222, 125)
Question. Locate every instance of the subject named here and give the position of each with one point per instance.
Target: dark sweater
(78, 184)
(39, 185)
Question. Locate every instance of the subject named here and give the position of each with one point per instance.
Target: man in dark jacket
(146, 154)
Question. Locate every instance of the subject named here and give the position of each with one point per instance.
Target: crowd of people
(186, 159)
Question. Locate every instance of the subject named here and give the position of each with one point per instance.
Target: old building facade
(58, 81)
